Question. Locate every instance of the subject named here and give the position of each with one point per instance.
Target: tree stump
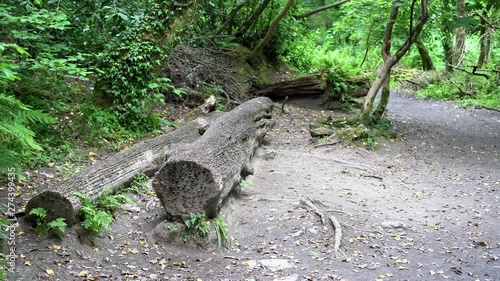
(198, 178)
(146, 157)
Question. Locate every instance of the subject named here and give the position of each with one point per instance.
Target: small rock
(275, 264)
(312, 231)
(320, 131)
(393, 224)
(130, 208)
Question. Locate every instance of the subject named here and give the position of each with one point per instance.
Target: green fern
(56, 227)
(15, 135)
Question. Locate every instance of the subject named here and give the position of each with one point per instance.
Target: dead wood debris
(209, 70)
(335, 223)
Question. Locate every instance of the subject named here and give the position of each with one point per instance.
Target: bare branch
(320, 9)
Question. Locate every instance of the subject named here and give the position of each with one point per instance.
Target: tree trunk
(271, 30)
(146, 157)
(312, 84)
(391, 60)
(460, 34)
(230, 20)
(251, 19)
(427, 63)
(384, 98)
(198, 178)
(446, 41)
(486, 33)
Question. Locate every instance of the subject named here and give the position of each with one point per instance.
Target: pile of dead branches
(209, 71)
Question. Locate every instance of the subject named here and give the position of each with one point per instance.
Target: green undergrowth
(45, 228)
(97, 215)
(197, 227)
(351, 131)
(464, 89)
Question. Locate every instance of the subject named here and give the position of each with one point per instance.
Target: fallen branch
(479, 106)
(327, 144)
(471, 72)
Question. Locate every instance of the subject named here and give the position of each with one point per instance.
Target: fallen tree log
(316, 84)
(146, 157)
(313, 84)
(198, 178)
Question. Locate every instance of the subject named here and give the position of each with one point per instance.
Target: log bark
(198, 178)
(312, 84)
(146, 157)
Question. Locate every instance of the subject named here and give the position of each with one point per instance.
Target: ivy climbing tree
(128, 69)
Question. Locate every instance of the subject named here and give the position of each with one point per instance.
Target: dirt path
(425, 208)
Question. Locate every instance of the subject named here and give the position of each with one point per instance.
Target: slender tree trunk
(427, 63)
(384, 98)
(485, 37)
(271, 30)
(460, 33)
(230, 20)
(252, 19)
(390, 60)
(446, 42)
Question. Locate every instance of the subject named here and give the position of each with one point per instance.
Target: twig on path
(327, 144)
(479, 106)
(338, 233)
(353, 165)
(374, 176)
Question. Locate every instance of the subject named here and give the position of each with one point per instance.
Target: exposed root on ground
(335, 223)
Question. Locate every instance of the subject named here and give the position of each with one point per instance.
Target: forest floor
(425, 207)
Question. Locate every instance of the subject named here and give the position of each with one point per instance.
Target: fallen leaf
(84, 273)
(49, 271)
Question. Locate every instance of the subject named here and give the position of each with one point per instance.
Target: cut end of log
(56, 205)
(187, 190)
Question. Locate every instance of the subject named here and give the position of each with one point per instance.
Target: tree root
(338, 233)
(335, 223)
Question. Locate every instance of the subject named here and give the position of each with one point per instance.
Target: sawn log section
(146, 157)
(198, 178)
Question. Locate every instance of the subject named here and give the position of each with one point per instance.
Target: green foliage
(197, 227)
(465, 89)
(43, 228)
(128, 68)
(337, 80)
(111, 202)
(246, 184)
(352, 131)
(97, 215)
(16, 137)
(221, 230)
(138, 184)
